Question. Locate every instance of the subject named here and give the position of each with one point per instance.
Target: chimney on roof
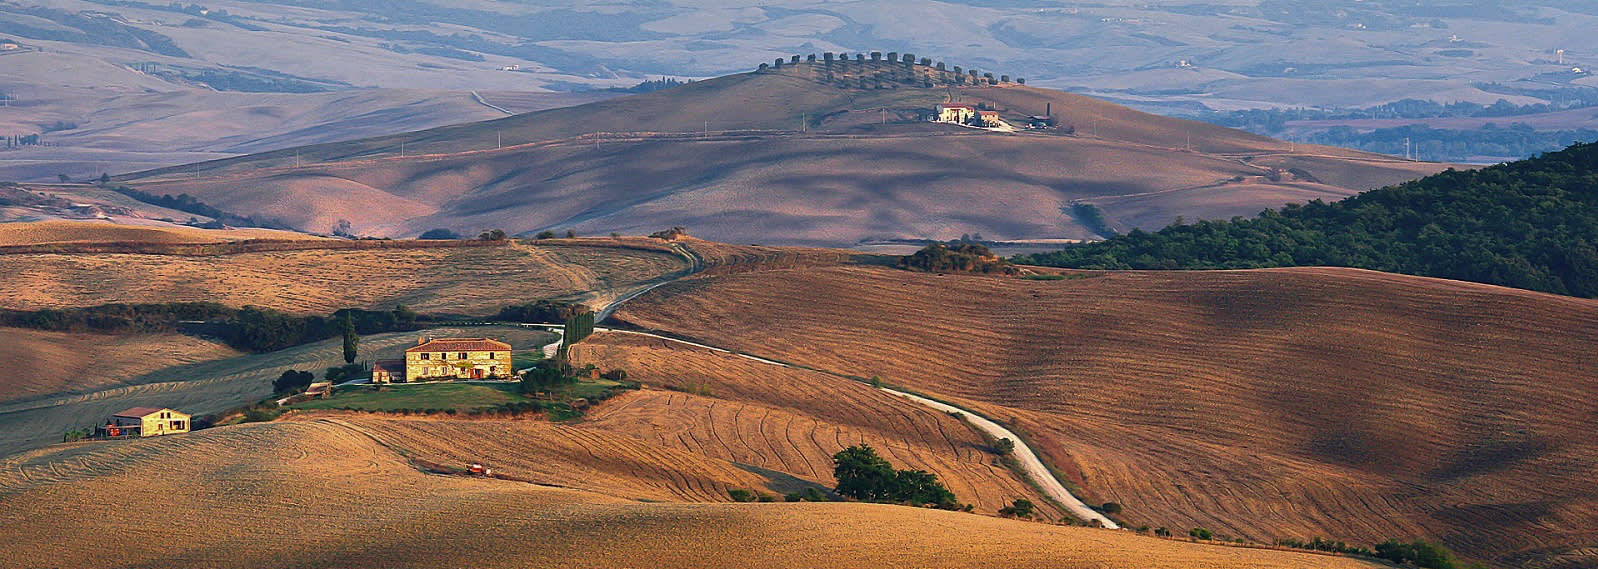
(422, 340)
(1048, 109)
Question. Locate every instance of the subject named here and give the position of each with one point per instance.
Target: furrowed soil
(469, 280)
(202, 387)
(1339, 403)
(323, 494)
(788, 421)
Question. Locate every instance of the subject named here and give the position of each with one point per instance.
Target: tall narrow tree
(352, 340)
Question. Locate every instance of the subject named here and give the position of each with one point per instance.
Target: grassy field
(241, 496)
(208, 386)
(452, 396)
(1375, 405)
(473, 281)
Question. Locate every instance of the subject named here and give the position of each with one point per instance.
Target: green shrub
(1020, 508)
(741, 495)
(1111, 508)
(1201, 533)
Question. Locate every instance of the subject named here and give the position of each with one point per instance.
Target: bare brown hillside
(1278, 403)
(784, 157)
(243, 496)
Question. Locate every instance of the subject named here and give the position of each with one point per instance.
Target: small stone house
(990, 118)
(388, 371)
(955, 112)
(148, 422)
(458, 358)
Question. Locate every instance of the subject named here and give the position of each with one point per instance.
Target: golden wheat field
(788, 421)
(320, 494)
(40, 363)
(470, 280)
(64, 231)
(1276, 403)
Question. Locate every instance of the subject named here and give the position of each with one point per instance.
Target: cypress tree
(352, 340)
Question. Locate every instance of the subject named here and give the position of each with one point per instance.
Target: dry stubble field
(39, 363)
(320, 494)
(62, 231)
(1280, 403)
(788, 421)
(470, 280)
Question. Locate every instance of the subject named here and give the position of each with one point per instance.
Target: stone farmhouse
(448, 358)
(955, 112)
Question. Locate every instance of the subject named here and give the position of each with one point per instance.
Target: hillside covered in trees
(1531, 224)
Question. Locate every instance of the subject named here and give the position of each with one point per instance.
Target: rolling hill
(242, 496)
(807, 154)
(322, 276)
(1284, 403)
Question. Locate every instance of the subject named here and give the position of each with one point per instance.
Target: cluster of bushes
(1020, 508)
(956, 257)
(1531, 224)
(543, 311)
(292, 381)
(863, 475)
(1415, 553)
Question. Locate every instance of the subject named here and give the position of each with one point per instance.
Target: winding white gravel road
(1030, 463)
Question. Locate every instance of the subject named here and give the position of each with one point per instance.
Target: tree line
(251, 329)
(1531, 224)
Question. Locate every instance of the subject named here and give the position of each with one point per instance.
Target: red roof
(955, 106)
(139, 412)
(988, 113)
(461, 345)
(391, 366)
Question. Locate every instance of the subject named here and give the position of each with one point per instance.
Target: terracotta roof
(390, 366)
(461, 345)
(987, 113)
(139, 412)
(955, 106)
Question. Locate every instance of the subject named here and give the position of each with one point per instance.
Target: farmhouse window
(491, 355)
(427, 356)
(463, 355)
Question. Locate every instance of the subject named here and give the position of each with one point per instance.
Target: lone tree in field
(1020, 508)
(352, 341)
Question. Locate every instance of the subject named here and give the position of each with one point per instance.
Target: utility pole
(402, 149)
(707, 129)
(499, 139)
(1407, 149)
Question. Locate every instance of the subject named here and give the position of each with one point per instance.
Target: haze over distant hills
(99, 78)
(813, 153)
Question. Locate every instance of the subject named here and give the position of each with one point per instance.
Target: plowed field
(321, 494)
(788, 421)
(1282, 403)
